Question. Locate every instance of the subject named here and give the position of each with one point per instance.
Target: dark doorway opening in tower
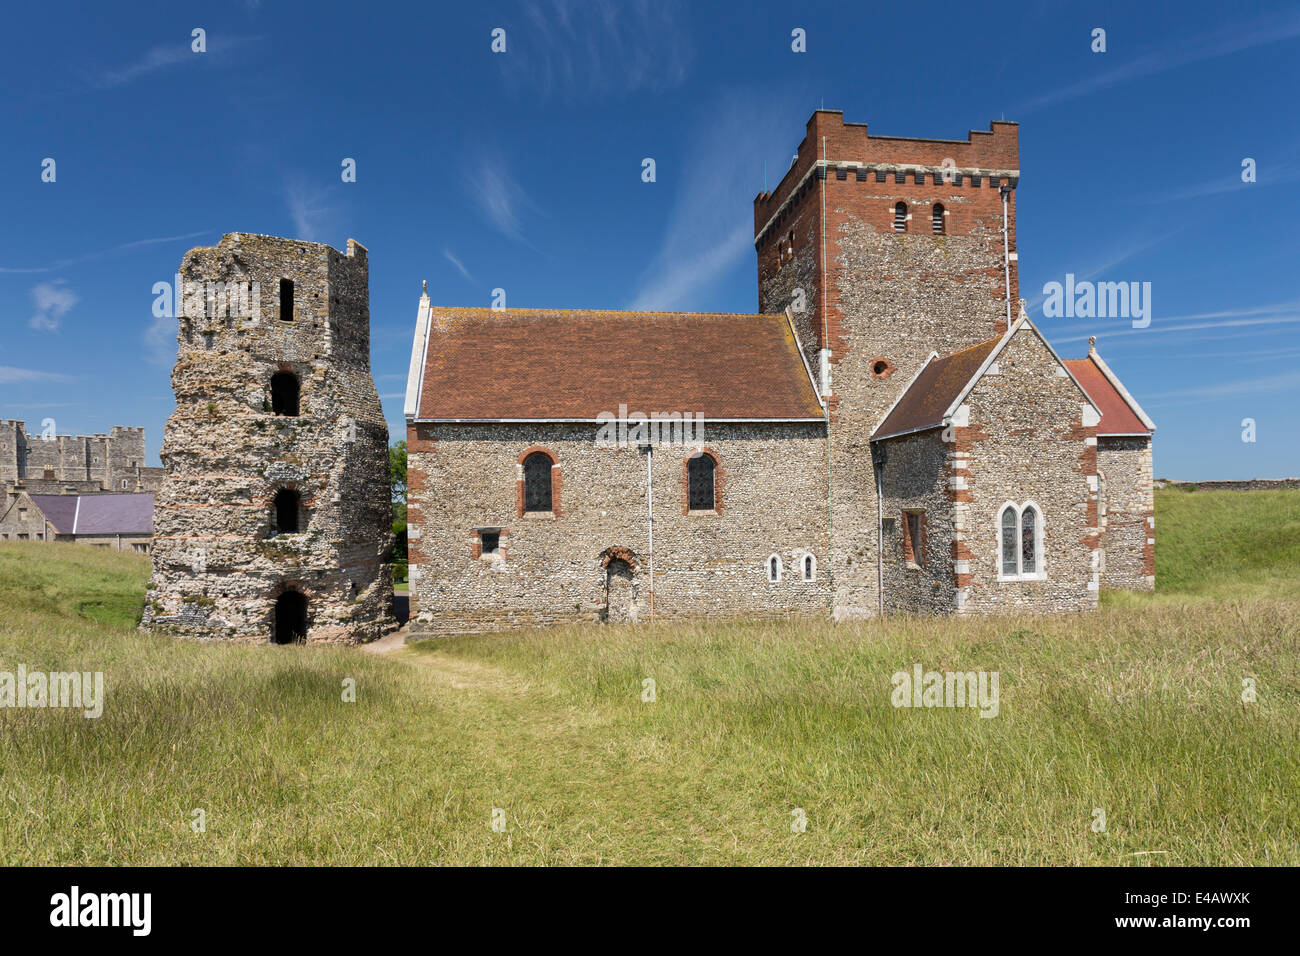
(290, 619)
(288, 508)
(284, 393)
(286, 300)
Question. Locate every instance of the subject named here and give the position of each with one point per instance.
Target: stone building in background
(75, 464)
(274, 519)
(890, 433)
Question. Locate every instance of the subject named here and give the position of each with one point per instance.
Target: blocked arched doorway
(290, 618)
(619, 565)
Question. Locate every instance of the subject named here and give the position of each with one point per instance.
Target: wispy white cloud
(160, 340)
(13, 376)
(1112, 260)
(499, 196)
(1270, 174)
(64, 263)
(165, 57)
(1220, 41)
(1250, 386)
(580, 49)
(308, 210)
(1159, 326)
(710, 228)
(460, 266)
(53, 300)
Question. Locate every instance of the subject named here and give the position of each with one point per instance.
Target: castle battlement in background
(75, 464)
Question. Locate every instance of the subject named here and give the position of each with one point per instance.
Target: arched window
(809, 567)
(936, 219)
(1010, 519)
(900, 217)
(284, 393)
(288, 508)
(1020, 543)
(699, 471)
(774, 569)
(537, 482)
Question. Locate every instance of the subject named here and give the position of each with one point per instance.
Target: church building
(888, 433)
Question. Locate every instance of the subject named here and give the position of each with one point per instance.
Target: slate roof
(934, 390)
(1117, 416)
(98, 514)
(550, 364)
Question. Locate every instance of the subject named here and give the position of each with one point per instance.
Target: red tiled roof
(933, 391)
(1117, 417)
(576, 364)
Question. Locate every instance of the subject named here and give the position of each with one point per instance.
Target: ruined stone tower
(274, 519)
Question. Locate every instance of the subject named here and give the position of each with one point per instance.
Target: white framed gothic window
(774, 569)
(1020, 542)
(808, 566)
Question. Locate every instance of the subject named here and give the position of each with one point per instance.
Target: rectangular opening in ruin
(491, 541)
(286, 300)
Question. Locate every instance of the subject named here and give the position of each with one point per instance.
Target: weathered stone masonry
(248, 453)
(934, 403)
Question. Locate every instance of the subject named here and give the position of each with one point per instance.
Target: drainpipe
(650, 520)
(824, 367)
(1006, 249)
(879, 455)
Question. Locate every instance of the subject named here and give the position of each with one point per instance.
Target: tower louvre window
(937, 219)
(286, 300)
(900, 217)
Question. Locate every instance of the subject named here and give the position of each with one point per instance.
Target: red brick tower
(884, 249)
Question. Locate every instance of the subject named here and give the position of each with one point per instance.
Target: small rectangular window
(491, 541)
(286, 300)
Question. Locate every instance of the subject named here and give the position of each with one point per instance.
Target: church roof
(928, 398)
(97, 514)
(557, 364)
(937, 391)
(1120, 413)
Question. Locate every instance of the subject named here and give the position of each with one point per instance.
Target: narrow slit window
(1009, 541)
(774, 569)
(915, 543)
(286, 300)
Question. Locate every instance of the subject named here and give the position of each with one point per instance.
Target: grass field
(1136, 711)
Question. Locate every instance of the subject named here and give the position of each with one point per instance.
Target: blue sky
(522, 171)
